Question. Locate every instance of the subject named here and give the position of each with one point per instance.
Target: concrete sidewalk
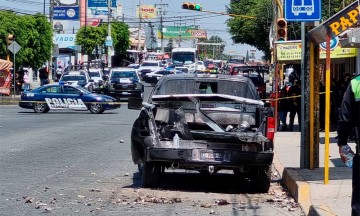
(307, 186)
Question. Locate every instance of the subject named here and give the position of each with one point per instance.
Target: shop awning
(4, 65)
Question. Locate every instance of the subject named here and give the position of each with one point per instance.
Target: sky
(214, 24)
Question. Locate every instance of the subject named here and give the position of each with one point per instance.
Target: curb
(296, 185)
(9, 101)
(322, 210)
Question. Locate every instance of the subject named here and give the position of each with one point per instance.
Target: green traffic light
(198, 7)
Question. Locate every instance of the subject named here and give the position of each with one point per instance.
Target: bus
(186, 57)
(302, 6)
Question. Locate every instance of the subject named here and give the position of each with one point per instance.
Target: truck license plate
(125, 93)
(210, 156)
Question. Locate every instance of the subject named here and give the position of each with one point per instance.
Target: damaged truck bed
(217, 130)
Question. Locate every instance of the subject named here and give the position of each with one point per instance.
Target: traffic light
(191, 6)
(281, 31)
(10, 38)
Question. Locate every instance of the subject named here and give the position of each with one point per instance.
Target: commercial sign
(288, 51)
(66, 2)
(98, 9)
(65, 40)
(292, 52)
(199, 33)
(66, 13)
(146, 12)
(183, 31)
(100, 3)
(336, 24)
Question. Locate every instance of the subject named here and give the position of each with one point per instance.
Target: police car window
(70, 90)
(51, 89)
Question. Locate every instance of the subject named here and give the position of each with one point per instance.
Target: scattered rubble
(28, 199)
(152, 199)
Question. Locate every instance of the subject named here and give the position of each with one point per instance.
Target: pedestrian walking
(59, 72)
(26, 81)
(295, 104)
(349, 119)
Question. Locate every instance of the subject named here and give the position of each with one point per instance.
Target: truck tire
(260, 178)
(151, 174)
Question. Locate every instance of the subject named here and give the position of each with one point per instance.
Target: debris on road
(28, 199)
(152, 199)
(222, 202)
(122, 141)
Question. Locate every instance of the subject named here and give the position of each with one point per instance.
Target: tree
(32, 33)
(89, 38)
(211, 51)
(121, 36)
(254, 32)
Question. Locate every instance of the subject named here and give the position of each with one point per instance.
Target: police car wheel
(96, 108)
(41, 108)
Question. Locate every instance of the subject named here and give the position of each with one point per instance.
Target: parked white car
(201, 66)
(149, 66)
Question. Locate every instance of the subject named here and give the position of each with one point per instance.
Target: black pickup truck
(122, 83)
(221, 123)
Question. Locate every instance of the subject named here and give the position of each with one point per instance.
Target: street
(77, 163)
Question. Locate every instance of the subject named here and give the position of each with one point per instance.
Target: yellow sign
(339, 52)
(146, 12)
(288, 51)
(344, 22)
(292, 51)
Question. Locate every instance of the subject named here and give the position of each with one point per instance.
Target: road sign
(302, 10)
(14, 47)
(108, 43)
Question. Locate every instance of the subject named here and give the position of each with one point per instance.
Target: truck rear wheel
(151, 174)
(260, 178)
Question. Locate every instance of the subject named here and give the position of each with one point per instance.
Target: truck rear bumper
(223, 157)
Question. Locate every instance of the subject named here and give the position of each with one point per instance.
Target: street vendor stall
(5, 77)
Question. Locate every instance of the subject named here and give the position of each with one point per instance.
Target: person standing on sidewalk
(349, 118)
(295, 104)
(43, 75)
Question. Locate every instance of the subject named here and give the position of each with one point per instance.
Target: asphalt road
(77, 163)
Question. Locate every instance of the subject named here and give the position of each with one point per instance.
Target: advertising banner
(292, 51)
(183, 31)
(5, 77)
(66, 13)
(66, 2)
(100, 3)
(65, 40)
(98, 9)
(200, 33)
(146, 12)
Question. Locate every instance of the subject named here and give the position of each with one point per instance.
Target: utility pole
(108, 38)
(161, 12)
(51, 14)
(180, 23)
(139, 31)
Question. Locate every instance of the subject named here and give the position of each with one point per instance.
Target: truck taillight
(270, 129)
